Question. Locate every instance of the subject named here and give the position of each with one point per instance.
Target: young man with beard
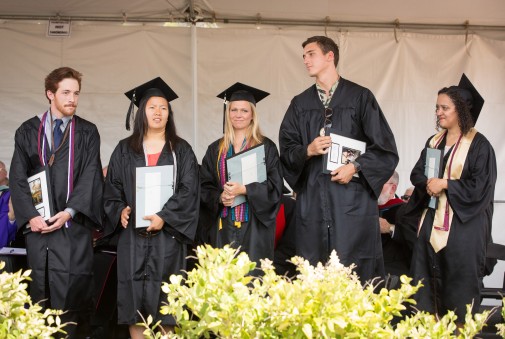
(59, 250)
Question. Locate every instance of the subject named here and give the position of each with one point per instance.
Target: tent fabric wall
(405, 77)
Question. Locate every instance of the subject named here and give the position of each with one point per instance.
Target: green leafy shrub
(219, 298)
(19, 317)
(501, 327)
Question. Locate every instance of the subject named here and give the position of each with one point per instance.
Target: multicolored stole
(444, 213)
(42, 151)
(239, 213)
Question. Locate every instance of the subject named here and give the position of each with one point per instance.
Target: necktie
(57, 134)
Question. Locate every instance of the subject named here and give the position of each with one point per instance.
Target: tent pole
(464, 26)
(194, 81)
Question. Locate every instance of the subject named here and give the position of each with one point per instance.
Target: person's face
(240, 114)
(315, 60)
(447, 115)
(157, 113)
(387, 193)
(64, 101)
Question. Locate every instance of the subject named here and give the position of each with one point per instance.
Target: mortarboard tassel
(129, 115)
(224, 111)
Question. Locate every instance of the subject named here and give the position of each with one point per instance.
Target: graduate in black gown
(146, 257)
(336, 211)
(250, 225)
(450, 253)
(59, 250)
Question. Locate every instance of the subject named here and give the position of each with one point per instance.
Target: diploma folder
(40, 190)
(342, 151)
(247, 167)
(433, 169)
(154, 185)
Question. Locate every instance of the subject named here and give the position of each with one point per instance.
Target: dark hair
(55, 77)
(326, 44)
(140, 127)
(465, 120)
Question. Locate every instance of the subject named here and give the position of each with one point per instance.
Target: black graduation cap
(153, 88)
(238, 92)
(472, 97)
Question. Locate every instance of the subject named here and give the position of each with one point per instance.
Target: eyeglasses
(328, 112)
(405, 197)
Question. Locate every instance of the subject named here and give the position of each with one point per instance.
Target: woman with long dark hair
(146, 257)
(249, 225)
(450, 254)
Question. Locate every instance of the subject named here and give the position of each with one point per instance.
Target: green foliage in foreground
(501, 327)
(220, 298)
(19, 317)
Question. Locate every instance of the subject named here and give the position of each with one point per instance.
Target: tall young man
(336, 211)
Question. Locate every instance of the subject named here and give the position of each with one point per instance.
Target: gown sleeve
(210, 189)
(180, 213)
(113, 197)
(381, 156)
(86, 196)
(19, 173)
(472, 194)
(292, 148)
(264, 198)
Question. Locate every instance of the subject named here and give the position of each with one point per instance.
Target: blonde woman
(250, 225)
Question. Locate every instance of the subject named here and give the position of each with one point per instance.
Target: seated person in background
(396, 240)
(8, 226)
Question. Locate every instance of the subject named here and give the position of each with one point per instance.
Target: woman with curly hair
(450, 254)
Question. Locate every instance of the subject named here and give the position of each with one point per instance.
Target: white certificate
(154, 186)
(41, 197)
(247, 167)
(342, 151)
(433, 169)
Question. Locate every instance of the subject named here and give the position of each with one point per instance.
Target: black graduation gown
(68, 252)
(255, 237)
(144, 263)
(396, 249)
(286, 244)
(460, 266)
(331, 216)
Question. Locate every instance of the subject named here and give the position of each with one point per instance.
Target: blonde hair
(253, 133)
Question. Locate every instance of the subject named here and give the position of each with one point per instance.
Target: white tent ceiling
(448, 12)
